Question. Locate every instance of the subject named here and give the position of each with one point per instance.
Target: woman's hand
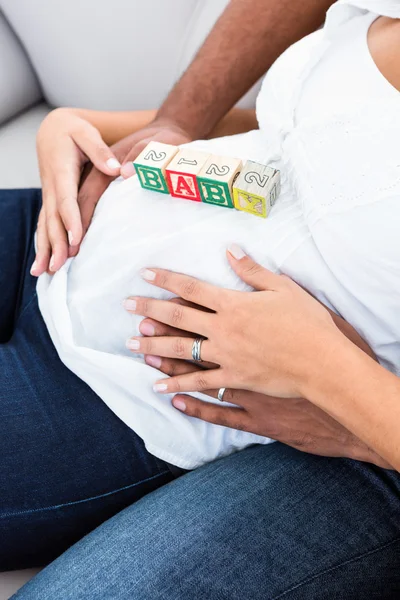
(268, 342)
(293, 421)
(65, 142)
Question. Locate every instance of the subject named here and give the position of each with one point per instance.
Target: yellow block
(251, 203)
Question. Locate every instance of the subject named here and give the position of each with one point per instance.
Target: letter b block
(256, 189)
(182, 174)
(151, 163)
(216, 179)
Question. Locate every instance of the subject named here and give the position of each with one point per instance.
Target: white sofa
(119, 55)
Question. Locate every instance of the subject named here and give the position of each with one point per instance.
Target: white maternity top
(330, 122)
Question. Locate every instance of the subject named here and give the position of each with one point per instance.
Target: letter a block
(256, 189)
(151, 163)
(182, 174)
(216, 179)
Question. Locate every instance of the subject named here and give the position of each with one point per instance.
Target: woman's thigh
(67, 462)
(266, 523)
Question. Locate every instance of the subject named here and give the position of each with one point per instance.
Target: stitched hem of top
(57, 506)
(335, 567)
(174, 460)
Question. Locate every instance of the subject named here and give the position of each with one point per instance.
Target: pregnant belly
(133, 228)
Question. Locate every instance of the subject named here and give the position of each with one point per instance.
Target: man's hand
(293, 421)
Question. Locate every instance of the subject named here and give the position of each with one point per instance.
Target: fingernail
(130, 304)
(113, 163)
(133, 344)
(148, 275)
(153, 361)
(160, 387)
(236, 251)
(51, 265)
(146, 328)
(70, 238)
(128, 170)
(33, 268)
(179, 404)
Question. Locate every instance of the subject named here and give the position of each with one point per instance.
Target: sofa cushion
(19, 167)
(119, 55)
(18, 84)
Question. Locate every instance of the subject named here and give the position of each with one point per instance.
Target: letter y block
(256, 189)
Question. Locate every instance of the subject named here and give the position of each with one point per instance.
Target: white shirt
(330, 122)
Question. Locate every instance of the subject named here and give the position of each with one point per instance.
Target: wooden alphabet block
(182, 174)
(256, 189)
(151, 163)
(216, 179)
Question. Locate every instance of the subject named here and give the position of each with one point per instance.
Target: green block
(215, 192)
(151, 178)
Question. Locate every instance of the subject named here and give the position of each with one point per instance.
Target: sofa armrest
(18, 83)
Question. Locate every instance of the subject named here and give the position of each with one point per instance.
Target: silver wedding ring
(196, 349)
(221, 393)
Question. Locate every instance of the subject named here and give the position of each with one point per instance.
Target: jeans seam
(57, 506)
(330, 569)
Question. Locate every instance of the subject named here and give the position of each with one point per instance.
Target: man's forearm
(245, 41)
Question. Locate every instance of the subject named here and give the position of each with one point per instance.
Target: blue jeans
(267, 523)
(67, 463)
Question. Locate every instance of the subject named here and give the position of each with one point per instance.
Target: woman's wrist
(359, 393)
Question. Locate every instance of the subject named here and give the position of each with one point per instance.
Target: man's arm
(246, 40)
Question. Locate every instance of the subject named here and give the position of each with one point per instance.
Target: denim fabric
(264, 524)
(67, 463)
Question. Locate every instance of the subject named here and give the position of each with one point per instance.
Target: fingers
(128, 169)
(198, 381)
(58, 240)
(43, 253)
(66, 190)
(171, 313)
(186, 287)
(173, 366)
(170, 347)
(150, 328)
(227, 416)
(251, 272)
(52, 242)
(89, 140)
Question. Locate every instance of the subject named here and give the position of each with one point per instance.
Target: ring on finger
(196, 349)
(221, 393)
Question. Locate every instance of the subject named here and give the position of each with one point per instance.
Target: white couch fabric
(18, 83)
(119, 55)
(18, 164)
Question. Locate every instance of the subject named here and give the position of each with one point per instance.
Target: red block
(181, 174)
(183, 185)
